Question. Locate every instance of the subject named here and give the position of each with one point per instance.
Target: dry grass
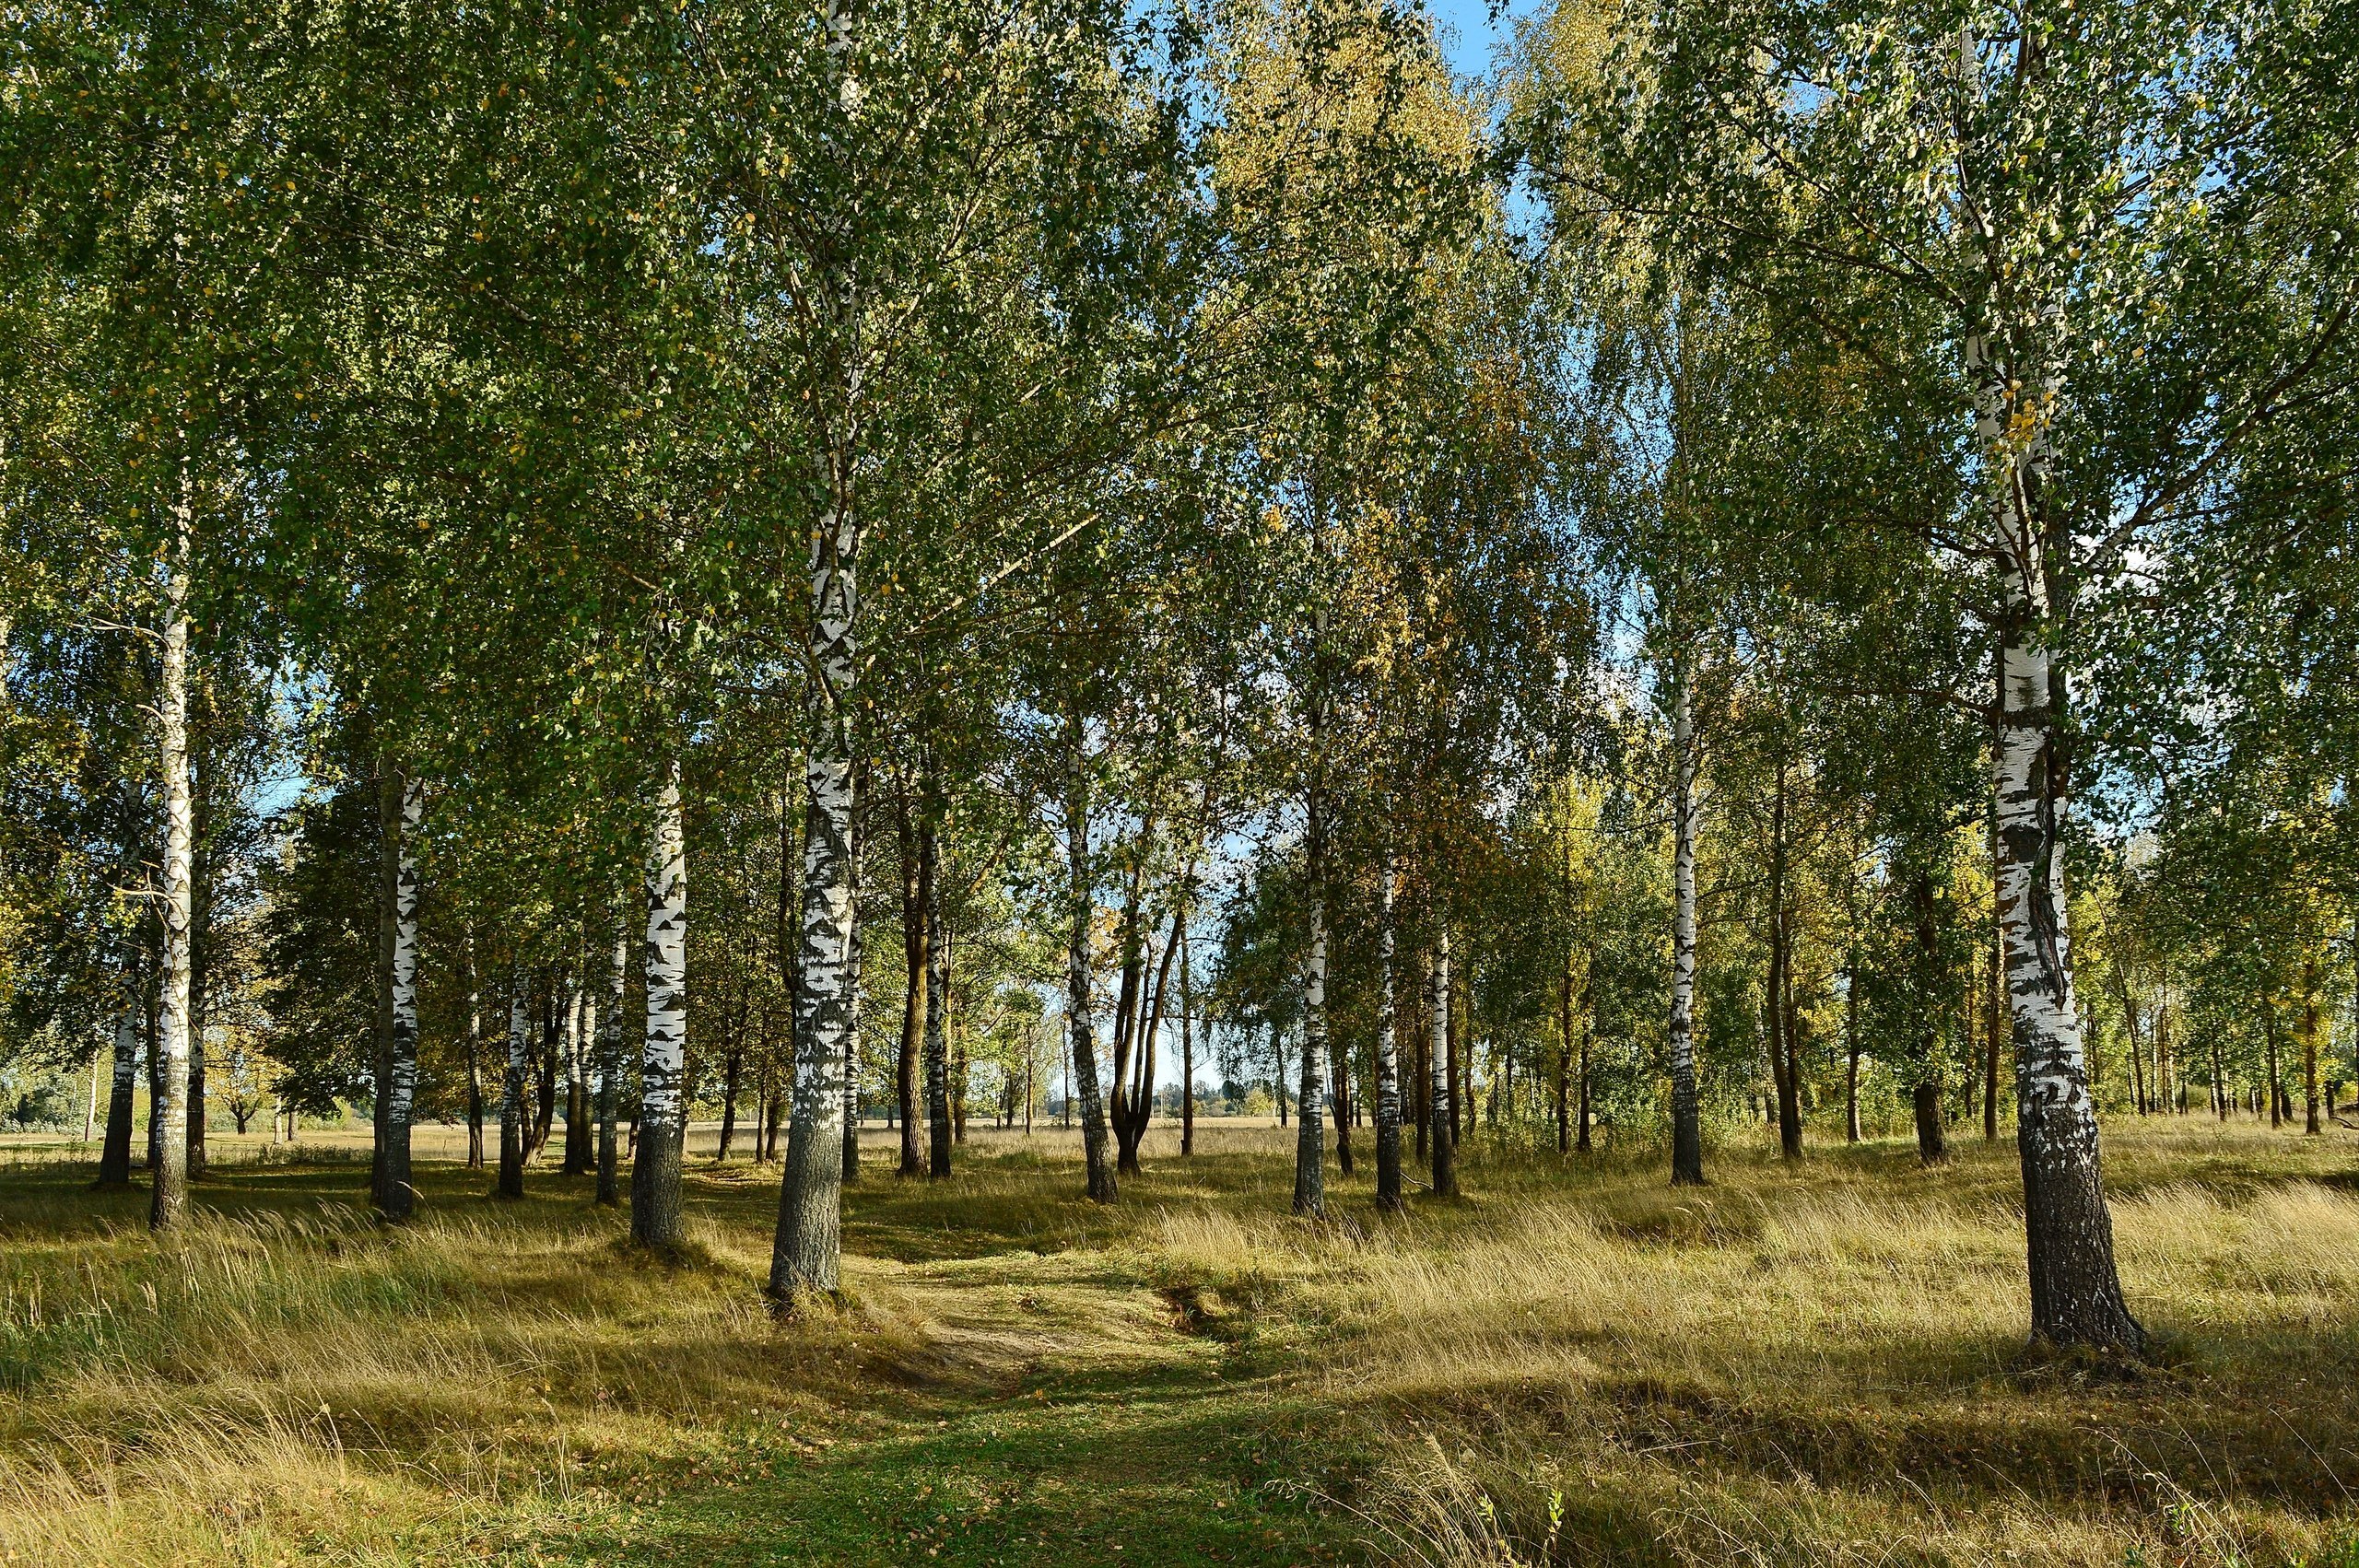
(1827, 1365)
(1820, 1365)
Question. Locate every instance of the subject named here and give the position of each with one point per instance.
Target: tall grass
(1819, 1363)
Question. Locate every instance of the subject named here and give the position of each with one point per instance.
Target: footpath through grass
(1811, 1364)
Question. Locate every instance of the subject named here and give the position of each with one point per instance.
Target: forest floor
(1819, 1363)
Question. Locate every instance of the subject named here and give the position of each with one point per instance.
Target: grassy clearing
(1820, 1365)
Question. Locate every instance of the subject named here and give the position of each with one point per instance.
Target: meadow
(1815, 1364)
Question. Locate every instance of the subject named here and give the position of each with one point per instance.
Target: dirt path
(1071, 1418)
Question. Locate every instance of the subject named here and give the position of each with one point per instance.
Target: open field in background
(1811, 1365)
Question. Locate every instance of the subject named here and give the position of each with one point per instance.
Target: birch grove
(1753, 572)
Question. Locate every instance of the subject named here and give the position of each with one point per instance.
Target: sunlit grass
(1819, 1363)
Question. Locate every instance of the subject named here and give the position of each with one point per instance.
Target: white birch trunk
(398, 1200)
(808, 1253)
(609, 1069)
(169, 1116)
(512, 1131)
(1686, 1125)
(1310, 1127)
(1442, 1134)
(1388, 1055)
(1081, 1025)
(2075, 1286)
(655, 1175)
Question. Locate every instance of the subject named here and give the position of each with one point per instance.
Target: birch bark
(168, 1118)
(580, 1135)
(396, 1198)
(655, 1174)
(1080, 1025)
(1686, 1125)
(610, 1063)
(511, 1183)
(2075, 1288)
(1310, 1122)
(808, 1255)
(1444, 1135)
(1387, 1054)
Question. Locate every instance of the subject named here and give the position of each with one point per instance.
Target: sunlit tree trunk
(1388, 1055)
(1686, 1122)
(1443, 1136)
(808, 1253)
(1082, 1029)
(169, 1116)
(1309, 1146)
(512, 1091)
(580, 1128)
(474, 1066)
(655, 1174)
(396, 1198)
(1188, 1053)
(2075, 1288)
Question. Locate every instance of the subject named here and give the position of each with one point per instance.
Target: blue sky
(1468, 33)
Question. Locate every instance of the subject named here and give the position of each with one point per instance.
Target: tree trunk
(808, 1253)
(1782, 1055)
(859, 951)
(396, 1198)
(1388, 1056)
(475, 1065)
(200, 920)
(917, 898)
(1565, 1060)
(1990, 1048)
(1443, 1136)
(1340, 1099)
(168, 1115)
(1310, 1147)
(1933, 1145)
(114, 1155)
(2137, 1051)
(2075, 1287)
(733, 1074)
(2268, 1037)
(1188, 1048)
(545, 1060)
(610, 1067)
(937, 1003)
(655, 1218)
(581, 1049)
(1082, 1031)
(2310, 1124)
(1278, 1082)
(511, 1093)
(1686, 1122)
(1588, 1034)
